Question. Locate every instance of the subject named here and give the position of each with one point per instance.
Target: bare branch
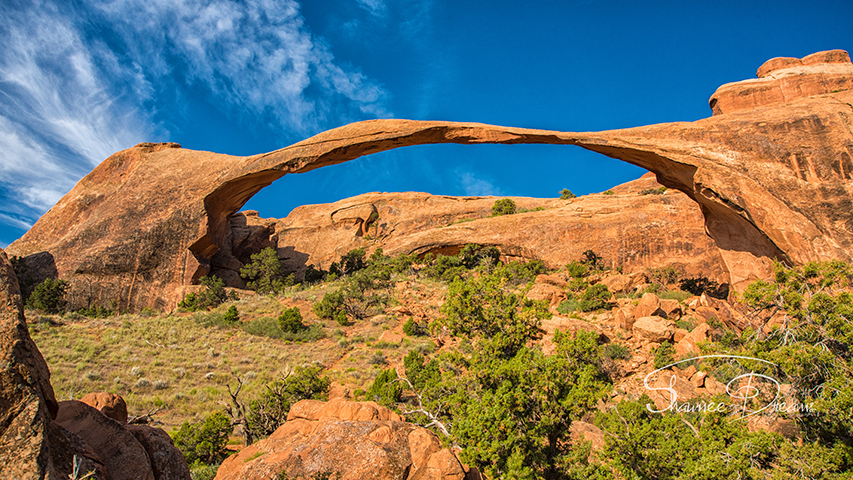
(145, 418)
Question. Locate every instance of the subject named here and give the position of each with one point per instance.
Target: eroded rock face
(773, 177)
(32, 446)
(356, 440)
(628, 230)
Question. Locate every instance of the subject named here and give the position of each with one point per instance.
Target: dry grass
(175, 363)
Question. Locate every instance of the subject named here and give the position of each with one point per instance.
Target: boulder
(551, 280)
(705, 314)
(546, 292)
(124, 457)
(654, 329)
(109, 404)
(649, 306)
(624, 317)
(356, 440)
(671, 309)
(689, 344)
(618, 283)
(167, 462)
(771, 170)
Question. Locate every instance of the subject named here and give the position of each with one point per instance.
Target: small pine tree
(232, 315)
(204, 442)
(412, 328)
(49, 296)
(265, 274)
(504, 206)
(290, 321)
(566, 194)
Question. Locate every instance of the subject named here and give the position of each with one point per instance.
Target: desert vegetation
(455, 343)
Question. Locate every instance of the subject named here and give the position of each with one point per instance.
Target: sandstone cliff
(773, 177)
(629, 230)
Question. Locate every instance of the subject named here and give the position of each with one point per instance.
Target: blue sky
(80, 80)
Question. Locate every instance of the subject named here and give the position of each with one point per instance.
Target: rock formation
(356, 440)
(628, 230)
(32, 445)
(41, 438)
(773, 177)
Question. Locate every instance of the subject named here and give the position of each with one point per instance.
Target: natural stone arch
(774, 181)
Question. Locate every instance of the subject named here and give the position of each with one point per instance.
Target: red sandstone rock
(627, 229)
(783, 80)
(32, 445)
(551, 280)
(649, 306)
(689, 344)
(111, 405)
(654, 329)
(624, 317)
(167, 462)
(124, 457)
(357, 440)
(771, 171)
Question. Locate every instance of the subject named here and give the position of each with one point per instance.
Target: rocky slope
(628, 230)
(773, 177)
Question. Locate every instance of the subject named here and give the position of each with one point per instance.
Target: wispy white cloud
(59, 115)
(258, 56)
(474, 186)
(80, 81)
(374, 7)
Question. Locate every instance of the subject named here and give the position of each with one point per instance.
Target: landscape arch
(774, 180)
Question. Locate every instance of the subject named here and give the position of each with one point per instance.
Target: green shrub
(595, 297)
(313, 274)
(420, 373)
(664, 355)
(265, 274)
(49, 296)
(311, 333)
(653, 191)
(204, 442)
(609, 192)
(445, 268)
(385, 389)
(97, 311)
(518, 272)
(412, 328)
(350, 263)
(290, 321)
(211, 295)
(473, 255)
(341, 318)
(663, 276)
(203, 471)
(359, 296)
(687, 323)
(263, 327)
(617, 351)
(232, 315)
(566, 194)
(568, 306)
(269, 411)
(674, 295)
(576, 269)
(593, 261)
(504, 206)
